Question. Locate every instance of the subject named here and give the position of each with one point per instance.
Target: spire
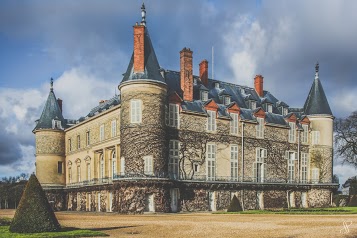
(316, 102)
(51, 88)
(143, 15)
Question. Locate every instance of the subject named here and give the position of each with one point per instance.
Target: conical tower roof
(50, 112)
(316, 102)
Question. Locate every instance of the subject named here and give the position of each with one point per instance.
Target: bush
(34, 214)
(353, 201)
(234, 206)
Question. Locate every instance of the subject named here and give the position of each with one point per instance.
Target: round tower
(143, 95)
(50, 143)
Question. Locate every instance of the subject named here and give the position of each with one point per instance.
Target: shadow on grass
(109, 228)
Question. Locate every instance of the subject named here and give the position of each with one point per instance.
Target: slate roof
(50, 111)
(152, 67)
(316, 102)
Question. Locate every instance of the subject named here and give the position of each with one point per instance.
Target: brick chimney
(204, 72)
(139, 56)
(186, 76)
(258, 85)
(59, 101)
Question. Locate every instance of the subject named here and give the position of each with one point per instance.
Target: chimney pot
(258, 85)
(186, 74)
(204, 72)
(139, 55)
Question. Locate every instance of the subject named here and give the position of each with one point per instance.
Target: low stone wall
(275, 199)
(319, 197)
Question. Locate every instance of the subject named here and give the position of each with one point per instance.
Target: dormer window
(269, 107)
(252, 105)
(284, 111)
(56, 124)
(204, 96)
(242, 90)
(226, 100)
(216, 85)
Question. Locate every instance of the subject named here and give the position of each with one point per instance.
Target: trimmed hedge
(34, 214)
(353, 201)
(234, 206)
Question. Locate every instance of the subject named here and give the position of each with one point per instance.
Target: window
(69, 145)
(270, 108)
(284, 111)
(227, 100)
(196, 168)
(101, 166)
(259, 165)
(292, 132)
(315, 137)
(234, 123)
(101, 132)
(234, 162)
(122, 166)
(304, 168)
(173, 115)
(315, 175)
(148, 165)
(56, 124)
(305, 133)
(252, 105)
(242, 91)
(70, 175)
(114, 128)
(291, 166)
(78, 142)
(60, 167)
(211, 120)
(88, 171)
(174, 146)
(114, 164)
(204, 96)
(216, 85)
(135, 111)
(260, 127)
(87, 138)
(78, 173)
(211, 162)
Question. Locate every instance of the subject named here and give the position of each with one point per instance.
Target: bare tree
(346, 139)
(320, 159)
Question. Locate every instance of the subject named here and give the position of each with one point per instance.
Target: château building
(173, 141)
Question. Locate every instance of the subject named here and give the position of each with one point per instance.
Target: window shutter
(257, 154)
(254, 172)
(264, 172)
(264, 153)
(287, 155)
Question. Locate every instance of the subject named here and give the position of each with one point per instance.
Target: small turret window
(315, 137)
(56, 124)
(135, 111)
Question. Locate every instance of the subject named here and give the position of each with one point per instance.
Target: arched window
(78, 162)
(114, 164)
(101, 166)
(88, 168)
(69, 165)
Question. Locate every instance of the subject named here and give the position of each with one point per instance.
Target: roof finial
(143, 15)
(317, 70)
(51, 85)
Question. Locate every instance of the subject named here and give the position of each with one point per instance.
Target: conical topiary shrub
(234, 206)
(34, 213)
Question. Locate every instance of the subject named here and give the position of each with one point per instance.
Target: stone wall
(57, 199)
(275, 199)
(50, 142)
(319, 198)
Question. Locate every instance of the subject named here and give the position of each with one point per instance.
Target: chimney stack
(258, 85)
(204, 72)
(59, 101)
(139, 56)
(186, 74)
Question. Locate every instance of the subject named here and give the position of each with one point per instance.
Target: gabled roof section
(50, 112)
(316, 102)
(152, 67)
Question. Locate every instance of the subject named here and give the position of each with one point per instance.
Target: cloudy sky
(86, 45)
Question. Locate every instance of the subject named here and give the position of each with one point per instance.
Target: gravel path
(209, 225)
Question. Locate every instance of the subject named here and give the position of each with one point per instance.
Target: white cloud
(344, 102)
(344, 172)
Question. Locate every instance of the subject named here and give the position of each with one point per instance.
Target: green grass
(305, 211)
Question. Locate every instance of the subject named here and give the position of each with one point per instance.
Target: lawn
(65, 232)
(304, 211)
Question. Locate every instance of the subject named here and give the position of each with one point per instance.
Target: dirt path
(208, 225)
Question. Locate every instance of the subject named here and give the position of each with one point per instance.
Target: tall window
(234, 123)
(60, 167)
(101, 132)
(114, 128)
(315, 137)
(259, 165)
(122, 166)
(88, 172)
(305, 133)
(148, 165)
(292, 132)
(315, 175)
(135, 111)
(234, 162)
(304, 168)
(211, 121)
(260, 127)
(114, 164)
(70, 175)
(69, 145)
(173, 115)
(291, 166)
(211, 162)
(174, 158)
(101, 166)
(78, 173)
(88, 138)
(78, 142)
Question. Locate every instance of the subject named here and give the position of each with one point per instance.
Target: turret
(143, 94)
(50, 143)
